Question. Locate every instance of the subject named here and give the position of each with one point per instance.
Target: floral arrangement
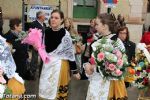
(75, 38)
(109, 58)
(34, 38)
(142, 69)
(21, 35)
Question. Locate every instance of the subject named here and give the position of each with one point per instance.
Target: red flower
(92, 61)
(148, 70)
(145, 81)
(138, 73)
(90, 40)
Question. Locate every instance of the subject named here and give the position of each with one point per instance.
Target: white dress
(98, 88)
(50, 72)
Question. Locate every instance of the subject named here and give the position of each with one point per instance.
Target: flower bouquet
(21, 36)
(109, 58)
(34, 38)
(142, 67)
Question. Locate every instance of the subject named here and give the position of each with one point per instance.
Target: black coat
(20, 55)
(36, 24)
(130, 49)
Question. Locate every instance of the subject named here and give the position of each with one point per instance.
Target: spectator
(38, 23)
(130, 46)
(76, 38)
(20, 53)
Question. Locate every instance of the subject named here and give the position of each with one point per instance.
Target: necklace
(56, 29)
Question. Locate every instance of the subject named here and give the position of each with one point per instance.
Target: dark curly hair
(13, 22)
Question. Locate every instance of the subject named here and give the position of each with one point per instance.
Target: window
(88, 3)
(85, 9)
(78, 2)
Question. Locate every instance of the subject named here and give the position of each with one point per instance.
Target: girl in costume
(100, 88)
(55, 74)
(15, 82)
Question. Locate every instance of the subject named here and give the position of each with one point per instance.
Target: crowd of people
(70, 55)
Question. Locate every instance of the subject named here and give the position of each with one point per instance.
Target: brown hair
(13, 22)
(109, 20)
(71, 28)
(122, 29)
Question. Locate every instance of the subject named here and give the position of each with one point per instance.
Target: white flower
(143, 74)
(94, 48)
(95, 45)
(108, 40)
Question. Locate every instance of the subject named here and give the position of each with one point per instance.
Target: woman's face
(99, 26)
(123, 35)
(55, 20)
(18, 28)
(92, 23)
(66, 23)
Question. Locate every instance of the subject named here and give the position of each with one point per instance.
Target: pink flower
(92, 61)
(118, 72)
(118, 54)
(34, 38)
(101, 56)
(120, 62)
(106, 63)
(111, 67)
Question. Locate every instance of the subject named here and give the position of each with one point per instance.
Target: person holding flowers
(19, 53)
(55, 75)
(107, 63)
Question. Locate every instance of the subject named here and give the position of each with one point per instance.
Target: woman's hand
(148, 47)
(83, 47)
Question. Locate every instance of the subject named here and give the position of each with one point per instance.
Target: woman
(19, 50)
(123, 34)
(100, 89)
(55, 75)
(76, 38)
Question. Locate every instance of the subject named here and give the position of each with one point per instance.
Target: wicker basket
(144, 98)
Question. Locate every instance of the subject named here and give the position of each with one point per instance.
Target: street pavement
(77, 90)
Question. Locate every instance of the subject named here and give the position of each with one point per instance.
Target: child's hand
(77, 76)
(89, 69)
